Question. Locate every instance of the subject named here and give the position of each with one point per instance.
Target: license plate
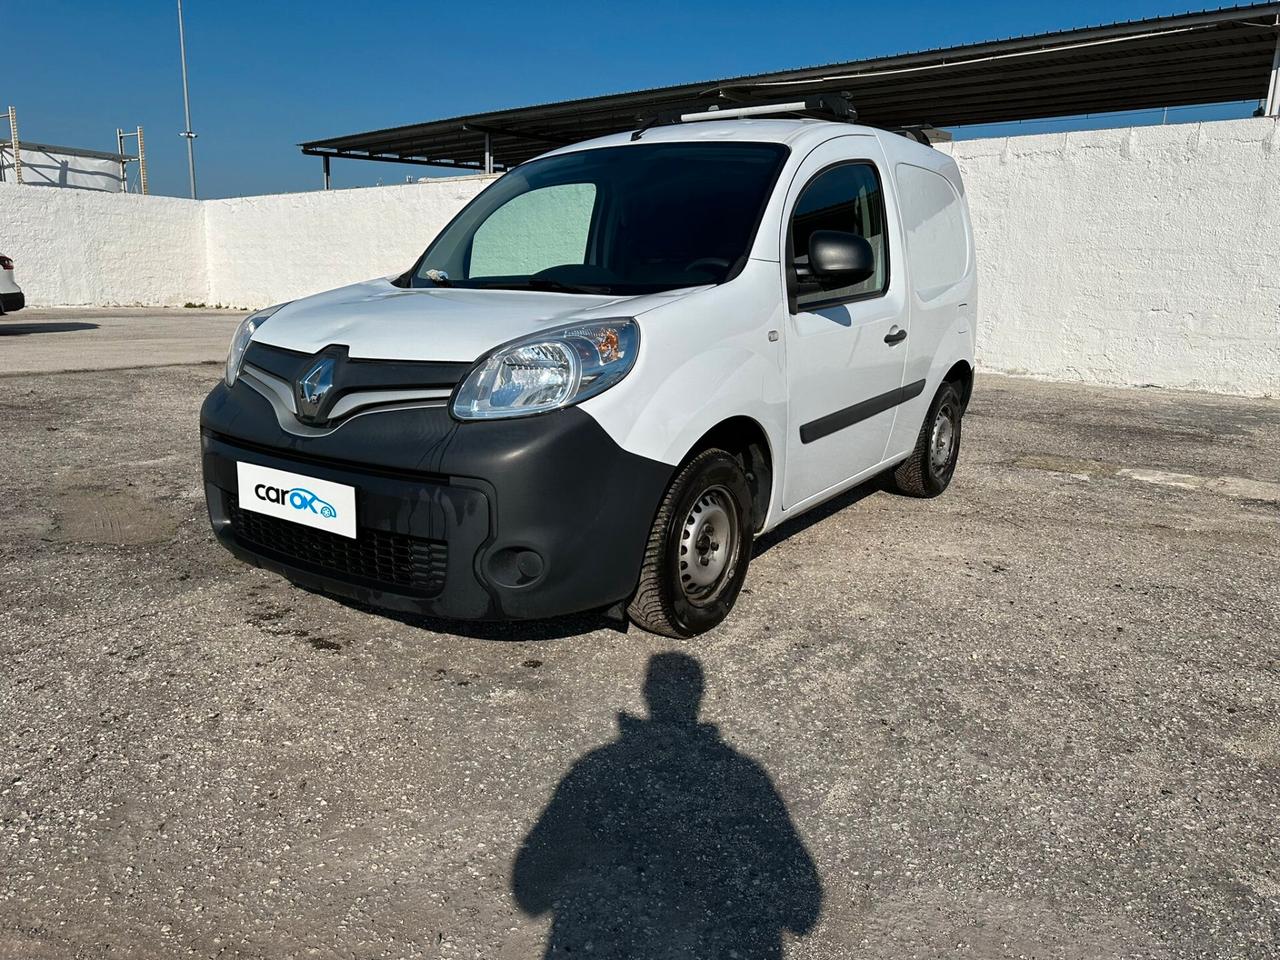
(291, 496)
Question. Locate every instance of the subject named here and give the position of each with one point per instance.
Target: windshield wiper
(547, 284)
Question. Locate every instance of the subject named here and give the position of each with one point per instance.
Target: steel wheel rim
(942, 443)
(709, 542)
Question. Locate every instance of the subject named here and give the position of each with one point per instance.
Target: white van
(612, 370)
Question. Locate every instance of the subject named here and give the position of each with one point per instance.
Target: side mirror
(839, 259)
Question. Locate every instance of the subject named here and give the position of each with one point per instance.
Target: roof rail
(919, 132)
(830, 106)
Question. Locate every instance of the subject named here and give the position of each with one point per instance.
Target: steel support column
(325, 161)
(1272, 109)
(124, 164)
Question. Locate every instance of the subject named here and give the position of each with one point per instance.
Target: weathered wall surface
(1134, 256)
(85, 247)
(262, 250)
(1148, 255)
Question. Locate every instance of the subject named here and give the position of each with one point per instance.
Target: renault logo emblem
(312, 387)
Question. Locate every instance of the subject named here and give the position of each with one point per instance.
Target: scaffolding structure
(14, 146)
(121, 137)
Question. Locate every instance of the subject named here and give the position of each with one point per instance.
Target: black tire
(710, 491)
(924, 474)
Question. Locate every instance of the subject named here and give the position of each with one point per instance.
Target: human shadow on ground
(667, 843)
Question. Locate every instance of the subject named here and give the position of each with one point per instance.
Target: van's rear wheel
(928, 471)
(698, 550)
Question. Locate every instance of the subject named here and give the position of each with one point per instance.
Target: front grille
(388, 561)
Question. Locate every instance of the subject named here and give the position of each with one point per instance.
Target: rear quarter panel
(943, 315)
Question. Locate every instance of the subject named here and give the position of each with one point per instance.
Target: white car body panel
(9, 282)
(703, 359)
(837, 356)
(379, 321)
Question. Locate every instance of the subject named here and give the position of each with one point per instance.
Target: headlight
(240, 341)
(548, 370)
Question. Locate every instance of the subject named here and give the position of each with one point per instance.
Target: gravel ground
(1036, 717)
(57, 339)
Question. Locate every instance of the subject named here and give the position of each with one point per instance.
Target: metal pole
(488, 154)
(1272, 109)
(124, 165)
(186, 105)
(142, 165)
(326, 172)
(13, 137)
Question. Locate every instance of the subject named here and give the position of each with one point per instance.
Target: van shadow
(576, 625)
(512, 631)
(667, 843)
(23, 329)
(819, 513)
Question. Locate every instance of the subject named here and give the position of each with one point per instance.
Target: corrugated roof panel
(1193, 58)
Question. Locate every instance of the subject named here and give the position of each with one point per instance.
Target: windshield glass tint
(618, 220)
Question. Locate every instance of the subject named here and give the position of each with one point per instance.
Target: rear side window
(846, 198)
(937, 242)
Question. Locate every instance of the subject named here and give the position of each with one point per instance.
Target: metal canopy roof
(1194, 58)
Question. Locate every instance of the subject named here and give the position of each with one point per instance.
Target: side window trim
(793, 284)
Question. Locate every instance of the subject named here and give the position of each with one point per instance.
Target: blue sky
(269, 74)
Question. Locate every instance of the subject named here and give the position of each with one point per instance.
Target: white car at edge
(11, 296)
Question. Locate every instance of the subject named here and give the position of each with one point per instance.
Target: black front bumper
(9, 302)
(508, 519)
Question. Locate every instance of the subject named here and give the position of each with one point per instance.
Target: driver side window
(534, 231)
(846, 198)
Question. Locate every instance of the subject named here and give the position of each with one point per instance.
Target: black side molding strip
(825, 426)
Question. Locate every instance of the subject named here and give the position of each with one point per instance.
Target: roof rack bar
(919, 132)
(761, 110)
(837, 106)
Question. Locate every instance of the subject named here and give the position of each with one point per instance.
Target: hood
(378, 321)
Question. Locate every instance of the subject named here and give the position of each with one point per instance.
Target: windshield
(617, 220)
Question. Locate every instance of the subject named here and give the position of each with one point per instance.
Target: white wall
(86, 247)
(262, 250)
(1148, 255)
(1142, 256)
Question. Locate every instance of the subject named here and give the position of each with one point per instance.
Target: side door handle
(895, 335)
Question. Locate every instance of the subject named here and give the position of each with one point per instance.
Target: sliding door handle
(895, 335)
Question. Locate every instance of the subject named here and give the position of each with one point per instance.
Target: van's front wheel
(698, 550)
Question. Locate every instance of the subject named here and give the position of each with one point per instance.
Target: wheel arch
(747, 439)
(961, 373)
